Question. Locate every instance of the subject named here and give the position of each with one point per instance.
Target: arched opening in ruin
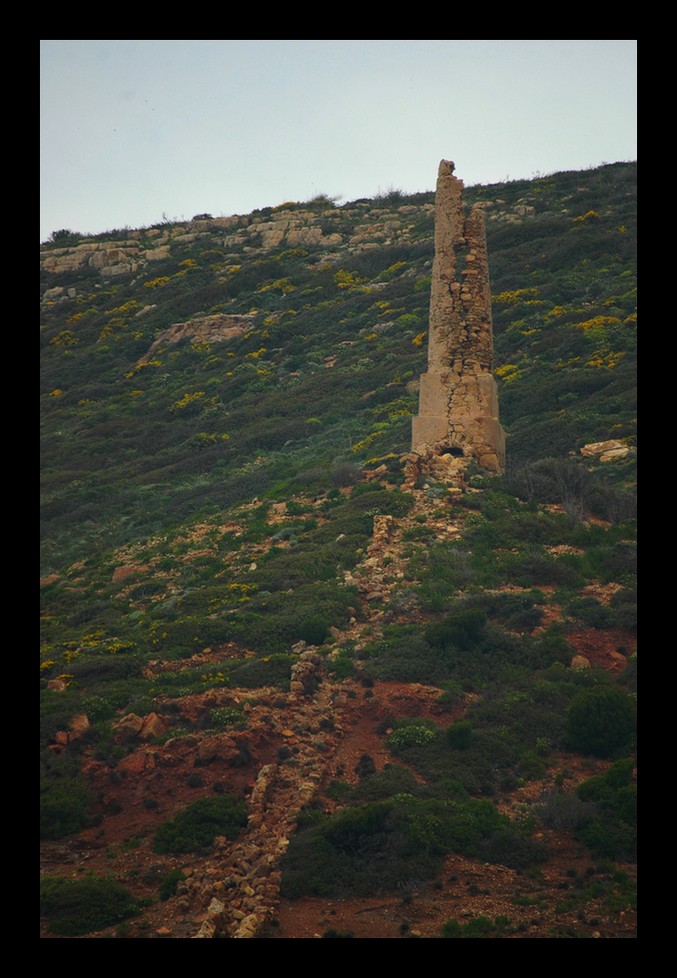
(454, 450)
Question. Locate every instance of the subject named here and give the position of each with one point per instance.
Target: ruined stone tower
(458, 401)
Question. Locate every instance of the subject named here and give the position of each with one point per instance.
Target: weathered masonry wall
(458, 401)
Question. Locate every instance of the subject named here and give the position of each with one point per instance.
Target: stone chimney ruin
(458, 400)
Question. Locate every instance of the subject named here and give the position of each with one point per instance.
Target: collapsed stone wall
(458, 401)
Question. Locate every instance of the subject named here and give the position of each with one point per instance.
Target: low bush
(74, 907)
(461, 631)
(169, 883)
(459, 735)
(384, 845)
(227, 716)
(391, 780)
(314, 629)
(601, 721)
(195, 828)
(592, 612)
(562, 811)
(65, 799)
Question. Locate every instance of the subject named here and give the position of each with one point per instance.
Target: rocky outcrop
(219, 328)
(606, 451)
(458, 401)
(306, 674)
(132, 726)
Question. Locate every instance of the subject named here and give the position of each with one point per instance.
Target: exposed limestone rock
(129, 724)
(145, 728)
(207, 929)
(248, 927)
(153, 726)
(458, 402)
(306, 674)
(580, 662)
(79, 725)
(51, 294)
(206, 329)
(122, 257)
(605, 451)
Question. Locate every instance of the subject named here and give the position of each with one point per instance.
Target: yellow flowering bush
(519, 295)
(155, 283)
(348, 280)
(65, 338)
(597, 323)
(187, 400)
(215, 679)
(585, 218)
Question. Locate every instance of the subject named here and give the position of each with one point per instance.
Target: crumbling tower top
(458, 401)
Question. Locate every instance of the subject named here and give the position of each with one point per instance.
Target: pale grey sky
(134, 132)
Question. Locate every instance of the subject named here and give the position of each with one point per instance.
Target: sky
(134, 133)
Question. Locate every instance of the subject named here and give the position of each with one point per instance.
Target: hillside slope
(248, 601)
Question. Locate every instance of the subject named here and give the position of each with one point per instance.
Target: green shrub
(64, 798)
(411, 735)
(195, 828)
(314, 629)
(511, 847)
(64, 236)
(391, 780)
(385, 845)
(601, 721)
(80, 906)
(169, 883)
(592, 612)
(459, 735)
(610, 831)
(227, 716)
(562, 811)
(462, 630)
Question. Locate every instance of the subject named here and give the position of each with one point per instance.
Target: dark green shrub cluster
(314, 629)
(386, 844)
(274, 670)
(195, 828)
(459, 735)
(592, 612)
(601, 721)
(463, 647)
(169, 883)
(461, 631)
(390, 780)
(65, 800)
(611, 831)
(74, 907)
(64, 808)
